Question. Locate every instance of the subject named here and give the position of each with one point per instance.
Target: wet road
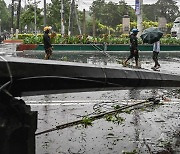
(148, 129)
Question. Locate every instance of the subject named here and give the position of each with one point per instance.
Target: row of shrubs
(85, 39)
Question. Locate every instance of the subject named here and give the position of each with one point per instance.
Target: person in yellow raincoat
(47, 42)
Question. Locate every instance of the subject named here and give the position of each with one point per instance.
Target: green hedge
(84, 39)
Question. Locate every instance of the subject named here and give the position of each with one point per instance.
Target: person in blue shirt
(133, 47)
(156, 50)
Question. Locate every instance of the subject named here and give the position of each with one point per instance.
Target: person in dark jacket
(47, 42)
(133, 47)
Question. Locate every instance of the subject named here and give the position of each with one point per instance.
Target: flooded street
(152, 127)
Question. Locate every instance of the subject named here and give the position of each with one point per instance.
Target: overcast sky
(84, 4)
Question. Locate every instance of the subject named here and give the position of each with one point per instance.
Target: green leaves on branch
(86, 121)
(116, 119)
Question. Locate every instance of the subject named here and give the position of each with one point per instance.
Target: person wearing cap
(47, 42)
(133, 47)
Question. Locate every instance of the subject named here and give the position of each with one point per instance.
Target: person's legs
(130, 56)
(48, 53)
(136, 55)
(155, 58)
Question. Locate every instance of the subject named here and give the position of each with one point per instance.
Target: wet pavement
(148, 128)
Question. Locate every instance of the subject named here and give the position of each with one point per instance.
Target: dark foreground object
(17, 126)
(24, 76)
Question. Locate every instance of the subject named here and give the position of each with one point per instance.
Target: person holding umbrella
(152, 35)
(156, 50)
(133, 47)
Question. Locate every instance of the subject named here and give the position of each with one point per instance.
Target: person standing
(156, 50)
(47, 42)
(133, 47)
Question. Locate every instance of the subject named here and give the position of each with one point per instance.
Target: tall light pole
(138, 5)
(44, 13)
(18, 17)
(62, 17)
(0, 27)
(84, 21)
(12, 18)
(35, 20)
(18, 14)
(71, 17)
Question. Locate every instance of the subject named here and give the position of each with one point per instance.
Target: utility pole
(12, 18)
(71, 18)
(73, 13)
(0, 28)
(62, 18)
(18, 17)
(84, 21)
(18, 14)
(35, 20)
(139, 5)
(44, 13)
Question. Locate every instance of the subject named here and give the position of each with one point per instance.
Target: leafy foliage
(4, 16)
(132, 152)
(162, 8)
(108, 16)
(86, 121)
(33, 39)
(85, 39)
(116, 119)
(111, 14)
(27, 18)
(53, 14)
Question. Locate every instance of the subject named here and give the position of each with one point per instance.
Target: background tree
(167, 9)
(124, 9)
(111, 14)
(54, 16)
(149, 12)
(5, 16)
(162, 8)
(28, 18)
